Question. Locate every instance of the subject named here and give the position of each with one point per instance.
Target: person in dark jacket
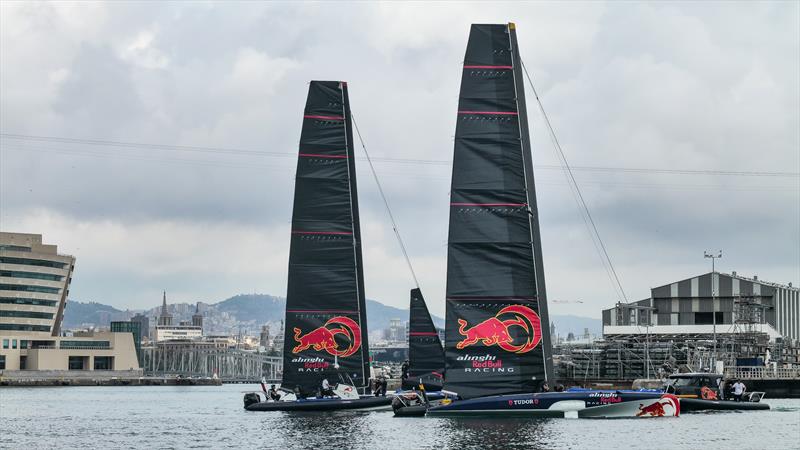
(404, 370)
(273, 393)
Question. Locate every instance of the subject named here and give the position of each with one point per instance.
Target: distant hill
(77, 314)
(258, 307)
(576, 324)
(249, 311)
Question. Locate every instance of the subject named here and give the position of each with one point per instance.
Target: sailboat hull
(324, 404)
(599, 404)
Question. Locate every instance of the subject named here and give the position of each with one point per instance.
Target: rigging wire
(573, 182)
(433, 162)
(385, 202)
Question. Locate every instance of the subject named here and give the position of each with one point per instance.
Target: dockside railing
(762, 372)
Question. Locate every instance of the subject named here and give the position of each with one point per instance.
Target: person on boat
(559, 388)
(545, 387)
(404, 370)
(298, 392)
(326, 390)
(380, 386)
(273, 393)
(738, 390)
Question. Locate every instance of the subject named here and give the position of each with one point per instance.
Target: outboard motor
(251, 398)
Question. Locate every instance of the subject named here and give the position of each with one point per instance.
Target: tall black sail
(326, 326)
(497, 333)
(425, 352)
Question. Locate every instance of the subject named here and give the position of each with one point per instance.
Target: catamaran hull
(595, 404)
(697, 404)
(325, 404)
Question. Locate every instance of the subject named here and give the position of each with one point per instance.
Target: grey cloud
(646, 85)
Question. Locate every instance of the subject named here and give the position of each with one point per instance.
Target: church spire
(165, 318)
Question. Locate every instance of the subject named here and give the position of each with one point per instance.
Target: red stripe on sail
(488, 204)
(437, 374)
(316, 155)
(321, 311)
(322, 232)
(489, 298)
(324, 117)
(488, 67)
(501, 113)
(423, 334)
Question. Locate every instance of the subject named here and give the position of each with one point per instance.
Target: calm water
(212, 417)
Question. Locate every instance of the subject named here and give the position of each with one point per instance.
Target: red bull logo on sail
(324, 337)
(495, 330)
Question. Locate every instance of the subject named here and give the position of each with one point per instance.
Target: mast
(495, 330)
(536, 238)
(325, 333)
(362, 301)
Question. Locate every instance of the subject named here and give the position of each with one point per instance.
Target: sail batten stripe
(321, 311)
(345, 233)
(500, 113)
(487, 297)
(420, 333)
(488, 204)
(317, 155)
(310, 116)
(489, 67)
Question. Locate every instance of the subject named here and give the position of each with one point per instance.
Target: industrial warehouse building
(34, 285)
(692, 306)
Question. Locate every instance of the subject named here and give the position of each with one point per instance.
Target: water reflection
(210, 417)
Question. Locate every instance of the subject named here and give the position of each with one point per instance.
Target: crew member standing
(326, 388)
(738, 390)
(404, 369)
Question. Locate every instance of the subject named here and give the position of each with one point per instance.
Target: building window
(103, 363)
(27, 314)
(32, 262)
(706, 318)
(26, 288)
(23, 327)
(2, 362)
(76, 362)
(27, 301)
(96, 345)
(14, 248)
(32, 275)
(5, 343)
(13, 344)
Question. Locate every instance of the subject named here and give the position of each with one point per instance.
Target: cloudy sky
(157, 142)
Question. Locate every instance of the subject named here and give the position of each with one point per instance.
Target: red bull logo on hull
(494, 331)
(668, 405)
(324, 337)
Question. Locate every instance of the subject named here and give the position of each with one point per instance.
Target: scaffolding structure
(209, 359)
(627, 357)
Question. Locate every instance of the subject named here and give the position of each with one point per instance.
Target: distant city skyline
(156, 142)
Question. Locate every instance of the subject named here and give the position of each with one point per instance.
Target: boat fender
(251, 398)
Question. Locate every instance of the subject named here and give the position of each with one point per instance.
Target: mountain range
(248, 312)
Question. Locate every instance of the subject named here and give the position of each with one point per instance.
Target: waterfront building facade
(167, 331)
(88, 351)
(133, 327)
(717, 301)
(34, 285)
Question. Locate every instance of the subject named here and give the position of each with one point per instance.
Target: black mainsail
(425, 352)
(326, 322)
(497, 332)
